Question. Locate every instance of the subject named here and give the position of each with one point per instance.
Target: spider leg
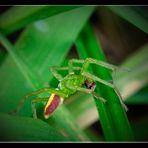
(54, 71)
(112, 85)
(120, 98)
(95, 78)
(117, 91)
(38, 92)
(111, 67)
(88, 61)
(71, 63)
(85, 90)
(89, 91)
(98, 62)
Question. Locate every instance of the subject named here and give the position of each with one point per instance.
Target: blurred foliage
(38, 37)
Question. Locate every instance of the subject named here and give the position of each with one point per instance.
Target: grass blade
(20, 16)
(112, 116)
(130, 82)
(133, 15)
(14, 128)
(139, 98)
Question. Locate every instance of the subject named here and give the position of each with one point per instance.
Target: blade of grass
(43, 48)
(19, 16)
(139, 98)
(14, 128)
(2, 56)
(132, 15)
(130, 82)
(125, 81)
(112, 115)
(85, 108)
(105, 122)
(22, 67)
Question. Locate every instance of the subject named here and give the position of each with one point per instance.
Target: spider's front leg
(111, 67)
(89, 61)
(72, 67)
(85, 90)
(54, 70)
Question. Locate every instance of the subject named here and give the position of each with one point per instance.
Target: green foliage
(33, 71)
(20, 16)
(13, 128)
(135, 15)
(137, 76)
(48, 35)
(112, 110)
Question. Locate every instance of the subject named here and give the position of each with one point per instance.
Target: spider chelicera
(70, 84)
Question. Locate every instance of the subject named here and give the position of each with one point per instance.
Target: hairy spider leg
(116, 90)
(38, 92)
(71, 65)
(54, 70)
(72, 61)
(111, 67)
(89, 61)
(85, 90)
(71, 69)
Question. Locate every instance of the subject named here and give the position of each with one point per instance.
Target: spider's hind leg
(85, 90)
(88, 91)
(38, 92)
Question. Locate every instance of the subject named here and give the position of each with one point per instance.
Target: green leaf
(20, 16)
(140, 97)
(43, 44)
(135, 15)
(126, 83)
(113, 118)
(2, 56)
(85, 107)
(13, 128)
(132, 81)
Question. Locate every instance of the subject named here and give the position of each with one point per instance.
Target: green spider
(69, 85)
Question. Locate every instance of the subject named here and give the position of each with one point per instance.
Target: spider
(69, 85)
